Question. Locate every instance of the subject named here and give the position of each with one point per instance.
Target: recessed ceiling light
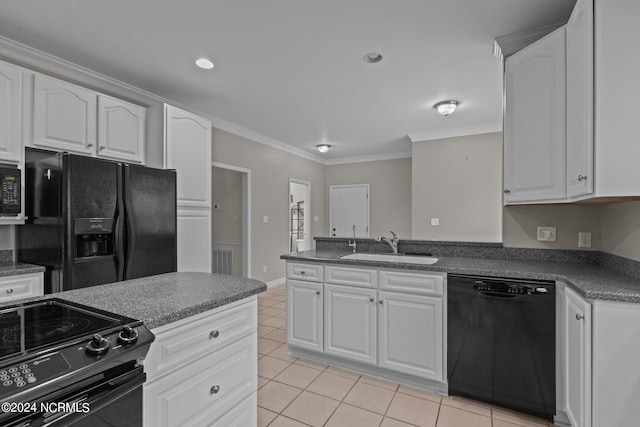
(323, 148)
(372, 57)
(204, 63)
(446, 107)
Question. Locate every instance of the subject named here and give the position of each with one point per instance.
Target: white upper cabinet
(64, 116)
(121, 127)
(10, 113)
(534, 149)
(580, 100)
(188, 150)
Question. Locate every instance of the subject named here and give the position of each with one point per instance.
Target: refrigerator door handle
(119, 228)
(131, 231)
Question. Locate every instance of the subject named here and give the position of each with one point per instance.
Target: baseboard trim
(276, 282)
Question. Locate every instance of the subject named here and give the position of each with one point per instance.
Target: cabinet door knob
(579, 317)
(371, 299)
(582, 177)
(89, 145)
(214, 334)
(507, 191)
(10, 291)
(380, 302)
(102, 147)
(317, 292)
(214, 389)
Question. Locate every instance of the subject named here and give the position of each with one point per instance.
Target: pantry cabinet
(10, 113)
(534, 149)
(67, 117)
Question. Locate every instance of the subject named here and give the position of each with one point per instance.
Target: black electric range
(63, 363)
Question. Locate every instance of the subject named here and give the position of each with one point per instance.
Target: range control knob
(98, 345)
(128, 335)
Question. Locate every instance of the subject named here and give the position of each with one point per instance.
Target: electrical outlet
(546, 234)
(315, 219)
(435, 221)
(216, 206)
(265, 219)
(264, 268)
(584, 239)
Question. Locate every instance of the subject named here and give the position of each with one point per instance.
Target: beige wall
(459, 181)
(621, 229)
(270, 172)
(390, 193)
(520, 225)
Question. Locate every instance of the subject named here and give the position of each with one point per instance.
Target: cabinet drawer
(362, 277)
(21, 286)
(416, 283)
(183, 341)
(243, 415)
(205, 389)
(309, 272)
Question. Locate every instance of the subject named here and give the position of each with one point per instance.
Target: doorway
(299, 214)
(349, 210)
(230, 220)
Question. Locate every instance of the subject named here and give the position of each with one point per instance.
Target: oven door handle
(97, 397)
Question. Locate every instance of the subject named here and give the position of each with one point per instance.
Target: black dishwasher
(501, 342)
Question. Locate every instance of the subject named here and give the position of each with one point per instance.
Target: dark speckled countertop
(13, 268)
(165, 298)
(592, 281)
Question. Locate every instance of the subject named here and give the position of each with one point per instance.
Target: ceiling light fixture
(446, 107)
(323, 148)
(372, 57)
(204, 63)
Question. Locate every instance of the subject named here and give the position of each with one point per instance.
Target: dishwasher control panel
(509, 287)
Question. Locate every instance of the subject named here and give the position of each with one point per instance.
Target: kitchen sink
(402, 259)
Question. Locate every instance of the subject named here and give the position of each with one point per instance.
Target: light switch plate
(584, 239)
(546, 234)
(265, 219)
(435, 221)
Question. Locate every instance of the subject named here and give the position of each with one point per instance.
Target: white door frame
(368, 187)
(246, 214)
(307, 209)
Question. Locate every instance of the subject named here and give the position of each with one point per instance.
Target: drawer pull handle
(89, 145)
(214, 334)
(579, 317)
(582, 177)
(215, 389)
(302, 272)
(10, 291)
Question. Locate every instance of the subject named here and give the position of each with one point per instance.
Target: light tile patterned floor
(295, 392)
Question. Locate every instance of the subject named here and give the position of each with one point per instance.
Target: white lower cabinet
(304, 314)
(202, 370)
(350, 315)
(411, 334)
(387, 322)
(21, 286)
(577, 358)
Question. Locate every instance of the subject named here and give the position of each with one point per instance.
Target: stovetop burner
(29, 327)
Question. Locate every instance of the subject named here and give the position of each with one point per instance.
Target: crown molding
(235, 129)
(370, 158)
(512, 43)
(452, 133)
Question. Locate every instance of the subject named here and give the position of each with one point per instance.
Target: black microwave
(10, 183)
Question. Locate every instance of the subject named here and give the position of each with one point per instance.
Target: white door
(64, 116)
(349, 209)
(534, 140)
(410, 333)
(304, 314)
(350, 328)
(10, 114)
(580, 99)
(188, 150)
(121, 129)
(577, 381)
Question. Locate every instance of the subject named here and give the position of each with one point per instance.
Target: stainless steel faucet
(353, 244)
(393, 242)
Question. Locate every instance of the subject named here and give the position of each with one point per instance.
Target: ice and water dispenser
(93, 237)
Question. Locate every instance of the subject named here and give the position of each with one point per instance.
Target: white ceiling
(293, 70)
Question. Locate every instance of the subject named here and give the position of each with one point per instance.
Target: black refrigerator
(92, 221)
